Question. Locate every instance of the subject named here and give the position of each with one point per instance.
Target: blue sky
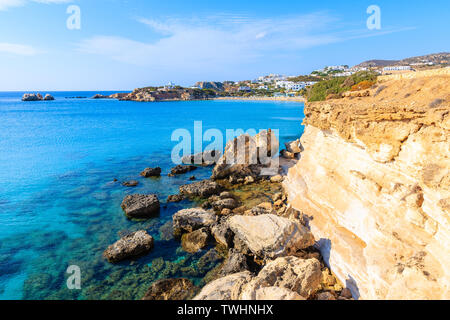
(126, 44)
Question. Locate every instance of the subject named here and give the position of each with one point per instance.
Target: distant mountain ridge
(436, 58)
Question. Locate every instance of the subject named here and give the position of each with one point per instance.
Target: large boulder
(141, 206)
(188, 220)
(170, 289)
(270, 236)
(195, 241)
(226, 288)
(151, 172)
(202, 189)
(295, 274)
(132, 245)
(246, 155)
(293, 146)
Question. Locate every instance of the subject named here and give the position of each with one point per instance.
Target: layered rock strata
(374, 180)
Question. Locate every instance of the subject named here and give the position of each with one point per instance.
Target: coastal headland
(383, 227)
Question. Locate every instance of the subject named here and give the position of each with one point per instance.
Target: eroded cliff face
(374, 180)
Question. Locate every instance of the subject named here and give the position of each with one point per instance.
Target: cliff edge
(374, 180)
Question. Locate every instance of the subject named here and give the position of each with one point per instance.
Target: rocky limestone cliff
(374, 180)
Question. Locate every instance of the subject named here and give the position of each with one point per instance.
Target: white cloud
(6, 4)
(222, 43)
(212, 41)
(17, 49)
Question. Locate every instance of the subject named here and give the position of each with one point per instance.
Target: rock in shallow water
(188, 220)
(151, 172)
(175, 198)
(140, 205)
(179, 169)
(202, 189)
(132, 183)
(270, 236)
(170, 289)
(133, 245)
(195, 241)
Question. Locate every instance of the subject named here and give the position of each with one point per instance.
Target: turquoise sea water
(59, 205)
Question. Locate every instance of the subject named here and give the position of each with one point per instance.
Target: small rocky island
(152, 94)
(37, 97)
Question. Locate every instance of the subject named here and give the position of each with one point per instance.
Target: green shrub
(322, 89)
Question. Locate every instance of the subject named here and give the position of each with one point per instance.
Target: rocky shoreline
(267, 247)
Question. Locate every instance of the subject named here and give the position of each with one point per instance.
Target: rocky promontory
(154, 95)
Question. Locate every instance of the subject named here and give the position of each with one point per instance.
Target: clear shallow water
(59, 205)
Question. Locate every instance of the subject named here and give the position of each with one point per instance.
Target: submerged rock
(195, 241)
(298, 275)
(270, 236)
(171, 289)
(140, 205)
(132, 183)
(188, 220)
(226, 288)
(202, 189)
(151, 172)
(208, 261)
(133, 245)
